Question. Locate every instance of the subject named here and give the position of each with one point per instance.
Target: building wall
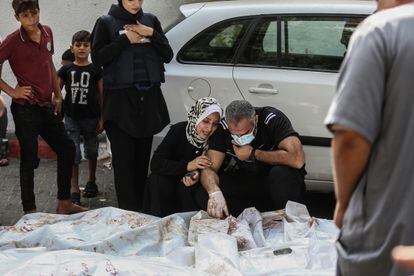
(68, 16)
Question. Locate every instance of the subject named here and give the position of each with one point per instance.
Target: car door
(204, 67)
(291, 63)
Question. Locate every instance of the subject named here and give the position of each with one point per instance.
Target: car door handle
(190, 89)
(258, 90)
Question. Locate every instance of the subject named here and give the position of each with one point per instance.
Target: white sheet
(111, 241)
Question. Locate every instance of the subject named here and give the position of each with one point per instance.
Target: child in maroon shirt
(37, 102)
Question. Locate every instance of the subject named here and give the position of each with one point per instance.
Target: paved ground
(319, 204)
(45, 189)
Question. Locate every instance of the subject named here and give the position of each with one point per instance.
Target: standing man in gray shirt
(372, 118)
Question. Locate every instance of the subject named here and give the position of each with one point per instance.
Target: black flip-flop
(75, 198)
(91, 190)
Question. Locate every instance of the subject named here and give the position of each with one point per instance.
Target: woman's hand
(191, 178)
(134, 38)
(140, 29)
(200, 162)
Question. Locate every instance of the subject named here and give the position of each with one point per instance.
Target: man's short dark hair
(81, 36)
(20, 6)
(68, 55)
(239, 110)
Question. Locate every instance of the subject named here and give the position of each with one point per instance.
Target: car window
(316, 43)
(215, 45)
(261, 48)
(311, 43)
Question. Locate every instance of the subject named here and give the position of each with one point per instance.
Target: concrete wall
(68, 16)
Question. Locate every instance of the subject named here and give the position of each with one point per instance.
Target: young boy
(29, 52)
(67, 57)
(82, 107)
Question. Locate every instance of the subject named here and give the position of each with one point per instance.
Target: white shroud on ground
(111, 241)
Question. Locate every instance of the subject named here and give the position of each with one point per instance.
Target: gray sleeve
(358, 102)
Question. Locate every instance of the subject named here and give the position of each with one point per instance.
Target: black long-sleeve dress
(134, 108)
(132, 74)
(165, 193)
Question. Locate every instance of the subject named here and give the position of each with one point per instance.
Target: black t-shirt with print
(272, 128)
(82, 95)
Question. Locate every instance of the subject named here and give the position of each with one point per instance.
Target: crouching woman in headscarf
(177, 161)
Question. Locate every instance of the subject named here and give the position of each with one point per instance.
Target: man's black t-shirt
(273, 126)
(82, 95)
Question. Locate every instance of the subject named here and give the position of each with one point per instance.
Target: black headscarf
(136, 16)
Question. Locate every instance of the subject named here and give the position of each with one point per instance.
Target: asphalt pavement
(319, 204)
(46, 189)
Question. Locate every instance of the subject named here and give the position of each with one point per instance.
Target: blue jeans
(87, 129)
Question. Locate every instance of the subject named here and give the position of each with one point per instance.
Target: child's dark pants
(32, 121)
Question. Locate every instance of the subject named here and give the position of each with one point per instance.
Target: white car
(279, 53)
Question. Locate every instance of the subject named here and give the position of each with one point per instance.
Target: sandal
(4, 162)
(91, 190)
(75, 198)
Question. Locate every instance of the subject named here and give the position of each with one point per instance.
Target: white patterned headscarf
(198, 112)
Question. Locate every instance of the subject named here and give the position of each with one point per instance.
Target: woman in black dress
(177, 161)
(131, 48)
